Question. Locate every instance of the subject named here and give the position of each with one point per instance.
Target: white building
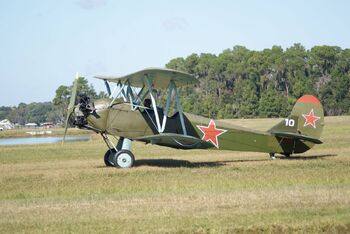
(31, 125)
(6, 124)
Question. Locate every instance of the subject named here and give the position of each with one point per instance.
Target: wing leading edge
(159, 77)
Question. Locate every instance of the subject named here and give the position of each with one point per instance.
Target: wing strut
(154, 106)
(167, 105)
(108, 88)
(120, 91)
(135, 100)
(171, 88)
(180, 111)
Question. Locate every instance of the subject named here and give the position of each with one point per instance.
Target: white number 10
(289, 122)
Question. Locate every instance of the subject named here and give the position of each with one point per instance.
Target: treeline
(236, 83)
(243, 83)
(28, 113)
(54, 111)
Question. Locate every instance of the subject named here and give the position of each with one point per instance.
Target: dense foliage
(27, 113)
(54, 111)
(243, 83)
(236, 83)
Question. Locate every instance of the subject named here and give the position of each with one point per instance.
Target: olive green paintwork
(120, 120)
(243, 139)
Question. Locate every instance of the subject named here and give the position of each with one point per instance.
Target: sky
(44, 43)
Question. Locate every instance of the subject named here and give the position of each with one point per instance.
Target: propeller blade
(71, 104)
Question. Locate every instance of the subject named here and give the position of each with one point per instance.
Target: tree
(246, 99)
(84, 87)
(191, 63)
(38, 112)
(60, 103)
(322, 61)
(273, 104)
(176, 64)
(4, 112)
(18, 115)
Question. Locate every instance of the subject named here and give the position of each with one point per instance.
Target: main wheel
(272, 156)
(123, 159)
(109, 157)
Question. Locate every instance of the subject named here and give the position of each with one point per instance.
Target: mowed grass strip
(55, 188)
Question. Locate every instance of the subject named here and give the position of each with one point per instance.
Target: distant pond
(40, 140)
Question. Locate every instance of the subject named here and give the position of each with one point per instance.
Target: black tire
(108, 158)
(272, 156)
(123, 159)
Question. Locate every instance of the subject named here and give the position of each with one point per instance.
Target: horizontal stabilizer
(177, 141)
(296, 136)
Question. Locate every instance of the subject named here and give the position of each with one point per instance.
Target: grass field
(50, 188)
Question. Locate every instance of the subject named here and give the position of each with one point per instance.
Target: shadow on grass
(172, 163)
(176, 163)
(310, 157)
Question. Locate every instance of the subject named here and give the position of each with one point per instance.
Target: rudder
(305, 119)
(310, 116)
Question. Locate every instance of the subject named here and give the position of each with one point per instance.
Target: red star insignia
(211, 133)
(310, 119)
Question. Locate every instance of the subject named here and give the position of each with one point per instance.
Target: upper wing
(159, 78)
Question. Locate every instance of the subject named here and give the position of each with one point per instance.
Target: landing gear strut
(272, 156)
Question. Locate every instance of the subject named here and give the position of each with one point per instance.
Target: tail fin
(306, 119)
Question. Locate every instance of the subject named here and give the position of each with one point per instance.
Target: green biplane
(133, 113)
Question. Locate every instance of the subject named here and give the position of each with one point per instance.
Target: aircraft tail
(305, 122)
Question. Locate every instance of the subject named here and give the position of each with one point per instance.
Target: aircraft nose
(79, 116)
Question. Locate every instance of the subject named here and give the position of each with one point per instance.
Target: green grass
(64, 189)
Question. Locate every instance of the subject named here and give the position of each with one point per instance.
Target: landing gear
(119, 155)
(124, 159)
(272, 156)
(108, 158)
(287, 155)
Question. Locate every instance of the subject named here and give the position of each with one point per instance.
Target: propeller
(71, 104)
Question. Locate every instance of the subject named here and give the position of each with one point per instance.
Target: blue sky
(43, 43)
